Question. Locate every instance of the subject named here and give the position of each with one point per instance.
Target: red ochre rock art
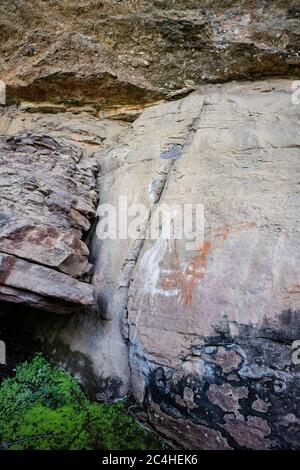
(194, 271)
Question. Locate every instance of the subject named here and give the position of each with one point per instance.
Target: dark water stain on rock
(248, 390)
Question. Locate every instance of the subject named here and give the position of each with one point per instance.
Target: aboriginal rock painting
(183, 281)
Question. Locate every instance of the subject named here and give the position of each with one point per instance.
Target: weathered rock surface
(211, 330)
(75, 52)
(48, 196)
(203, 337)
(87, 342)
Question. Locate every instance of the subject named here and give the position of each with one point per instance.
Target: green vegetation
(43, 407)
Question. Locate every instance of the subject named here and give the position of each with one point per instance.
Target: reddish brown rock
(191, 436)
(228, 360)
(43, 183)
(250, 433)
(74, 53)
(20, 274)
(260, 405)
(226, 396)
(20, 298)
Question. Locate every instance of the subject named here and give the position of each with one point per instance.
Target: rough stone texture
(211, 330)
(44, 281)
(203, 338)
(74, 52)
(48, 196)
(93, 349)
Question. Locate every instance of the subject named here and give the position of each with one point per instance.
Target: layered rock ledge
(48, 197)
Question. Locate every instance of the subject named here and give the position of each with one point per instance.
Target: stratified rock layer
(48, 195)
(111, 52)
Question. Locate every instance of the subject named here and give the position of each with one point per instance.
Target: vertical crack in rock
(135, 251)
(47, 200)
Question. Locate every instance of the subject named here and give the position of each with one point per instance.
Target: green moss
(43, 407)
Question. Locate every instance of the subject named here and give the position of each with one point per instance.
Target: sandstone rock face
(211, 330)
(48, 196)
(74, 52)
(203, 337)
